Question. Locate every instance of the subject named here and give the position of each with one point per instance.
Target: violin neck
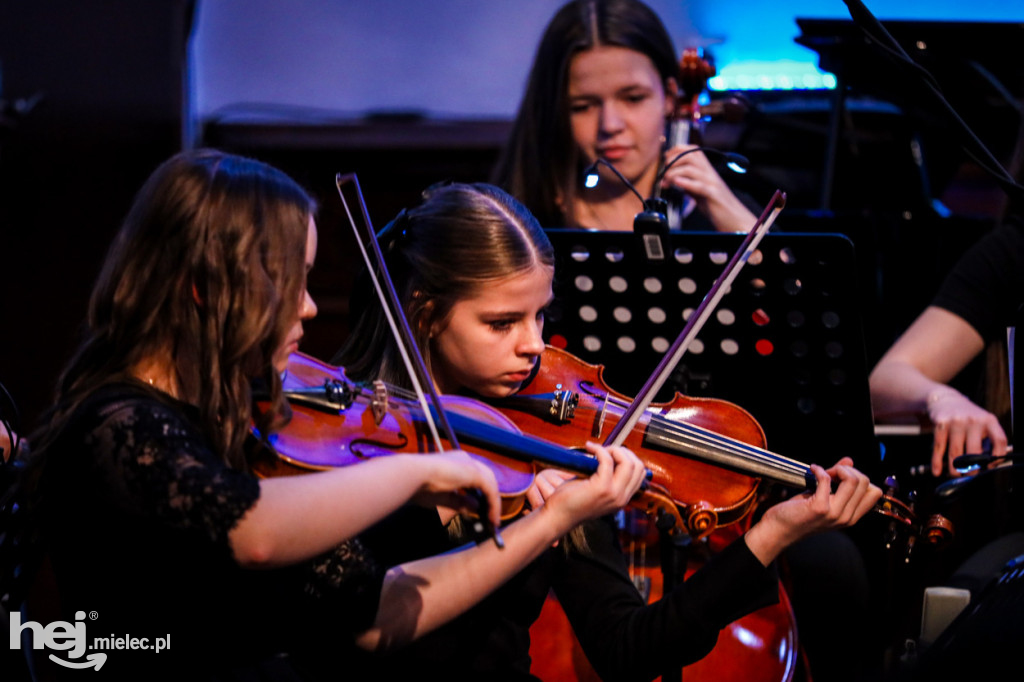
(690, 441)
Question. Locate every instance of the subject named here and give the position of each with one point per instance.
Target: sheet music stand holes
(719, 257)
(805, 405)
(584, 283)
(622, 314)
(725, 316)
(683, 256)
(614, 255)
(795, 296)
(656, 315)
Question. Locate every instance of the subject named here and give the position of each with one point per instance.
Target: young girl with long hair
(473, 270)
(140, 495)
(603, 86)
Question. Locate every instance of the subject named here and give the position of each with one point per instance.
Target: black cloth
(623, 638)
(135, 516)
(986, 286)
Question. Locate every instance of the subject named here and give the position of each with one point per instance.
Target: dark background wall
(95, 94)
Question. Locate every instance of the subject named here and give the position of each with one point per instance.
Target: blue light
(783, 74)
(591, 181)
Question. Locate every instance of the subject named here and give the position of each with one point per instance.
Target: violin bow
(423, 385)
(671, 358)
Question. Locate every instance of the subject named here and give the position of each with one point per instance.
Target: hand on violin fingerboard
(814, 512)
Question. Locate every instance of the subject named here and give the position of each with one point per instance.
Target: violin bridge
(599, 422)
(379, 402)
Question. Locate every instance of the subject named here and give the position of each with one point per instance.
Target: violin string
(688, 436)
(688, 433)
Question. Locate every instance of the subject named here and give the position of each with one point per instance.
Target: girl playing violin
(473, 270)
(140, 492)
(604, 85)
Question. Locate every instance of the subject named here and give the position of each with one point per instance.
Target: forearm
(420, 596)
(898, 386)
(729, 214)
(298, 517)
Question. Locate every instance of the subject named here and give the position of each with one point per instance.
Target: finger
(869, 500)
(998, 438)
(823, 487)
(534, 497)
(488, 485)
(957, 437)
(939, 449)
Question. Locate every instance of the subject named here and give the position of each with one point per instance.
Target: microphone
(653, 218)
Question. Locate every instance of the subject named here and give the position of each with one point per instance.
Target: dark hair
(460, 238)
(207, 269)
(540, 164)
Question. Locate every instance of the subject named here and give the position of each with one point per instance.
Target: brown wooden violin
(707, 453)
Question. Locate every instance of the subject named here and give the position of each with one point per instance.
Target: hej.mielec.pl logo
(71, 638)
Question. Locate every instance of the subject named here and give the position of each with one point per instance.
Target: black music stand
(785, 343)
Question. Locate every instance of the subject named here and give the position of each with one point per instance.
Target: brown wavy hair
(207, 269)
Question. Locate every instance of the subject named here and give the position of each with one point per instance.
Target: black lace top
(136, 519)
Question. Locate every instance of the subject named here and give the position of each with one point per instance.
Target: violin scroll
(937, 531)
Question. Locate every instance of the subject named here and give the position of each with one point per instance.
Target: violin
(337, 423)
(707, 453)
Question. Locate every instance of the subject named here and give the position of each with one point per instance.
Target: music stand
(785, 343)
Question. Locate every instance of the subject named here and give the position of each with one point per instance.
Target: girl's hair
(460, 238)
(540, 164)
(208, 271)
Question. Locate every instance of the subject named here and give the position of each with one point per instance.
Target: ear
(671, 96)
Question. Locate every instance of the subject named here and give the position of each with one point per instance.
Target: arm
(298, 517)
(695, 175)
(912, 376)
(422, 595)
